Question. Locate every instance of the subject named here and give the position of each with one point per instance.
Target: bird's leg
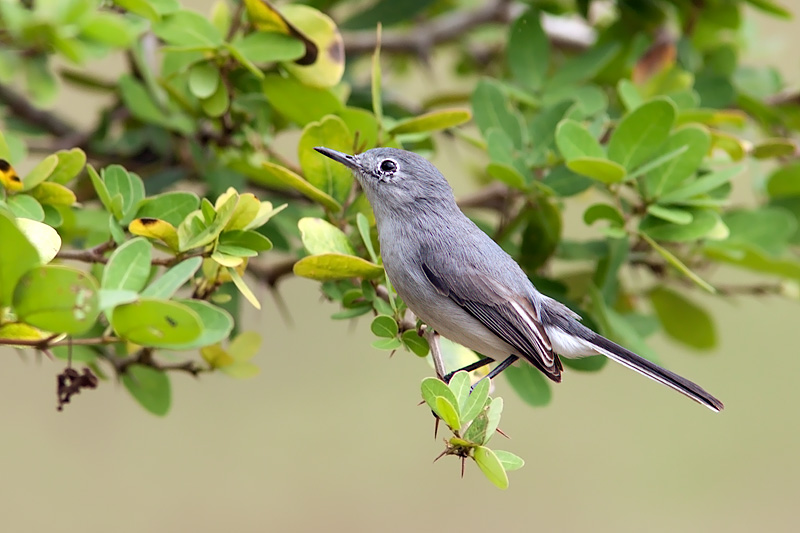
(470, 367)
(436, 352)
(493, 373)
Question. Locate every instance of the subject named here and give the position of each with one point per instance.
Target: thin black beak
(349, 161)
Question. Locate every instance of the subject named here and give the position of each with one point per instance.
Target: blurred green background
(330, 437)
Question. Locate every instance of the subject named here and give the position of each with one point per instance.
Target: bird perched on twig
(464, 286)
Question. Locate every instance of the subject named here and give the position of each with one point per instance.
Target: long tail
(629, 359)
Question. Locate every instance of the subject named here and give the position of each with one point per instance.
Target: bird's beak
(347, 160)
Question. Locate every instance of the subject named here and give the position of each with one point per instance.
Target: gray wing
(509, 316)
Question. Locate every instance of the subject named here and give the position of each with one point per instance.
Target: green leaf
(193, 233)
(475, 402)
(507, 174)
(509, 461)
(541, 235)
(217, 104)
(476, 432)
(333, 266)
(670, 214)
(58, 299)
(460, 385)
(387, 344)
(364, 230)
(129, 266)
(756, 261)
(678, 264)
(598, 169)
(204, 78)
(25, 206)
(298, 102)
(14, 265)
(386, 12)
(542, 130)
(140, 7)
(216, 322)
(156, 323)
(766, 228)
(42, 84)
(267, 47)
(325, 174)
(683, 320)
(603, 212)
(583, 66)
(784, 181)
(187, 28)
(49, 193)
(629, 94)
(44, 238)
(432, 121)
(669, 176)
(447, 412)
(110, 298)
(418, 345)
(287, 177)
(769, 148)
(244, 290)
(70, 164)
(433, 388)
(173, 279)
(108, 28)
(701, 224)
(574, 141)
(246, 243)
(641, 133)
(701, 185)
(320, 236)
(384, 326)
(172, 207)
(529, 383)
(768, 6)
(40, 172)
(563, 182)
(528, 50)
(142, 106)
(149, 387)
(491, 467)
(125, 190)
(491, 110)
(375, 80)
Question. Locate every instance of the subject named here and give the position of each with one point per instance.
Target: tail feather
(641, 365)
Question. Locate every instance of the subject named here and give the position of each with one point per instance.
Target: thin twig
(564, 33)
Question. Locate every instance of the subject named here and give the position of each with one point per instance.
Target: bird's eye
(388, 166)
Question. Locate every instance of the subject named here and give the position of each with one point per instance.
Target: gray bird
(463, 285)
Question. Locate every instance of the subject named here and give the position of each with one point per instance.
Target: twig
(564, 33)
(270, 274)
(92, 255)
(25, 110)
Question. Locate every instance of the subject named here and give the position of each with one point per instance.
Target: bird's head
(396, 179)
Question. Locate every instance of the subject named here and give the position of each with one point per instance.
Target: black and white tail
(641, 365)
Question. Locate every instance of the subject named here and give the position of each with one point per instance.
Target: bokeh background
(329, 436)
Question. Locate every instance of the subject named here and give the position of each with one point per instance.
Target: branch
(272, 273)
(23, 109)
(573, 34)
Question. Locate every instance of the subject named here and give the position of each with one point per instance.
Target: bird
(464, 286)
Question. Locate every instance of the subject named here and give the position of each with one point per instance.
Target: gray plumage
(463, 285)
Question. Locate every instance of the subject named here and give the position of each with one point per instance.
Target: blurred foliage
(647, 110)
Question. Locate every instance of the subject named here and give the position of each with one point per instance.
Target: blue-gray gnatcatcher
(464, 286)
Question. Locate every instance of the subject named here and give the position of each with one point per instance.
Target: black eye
(388, 166)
